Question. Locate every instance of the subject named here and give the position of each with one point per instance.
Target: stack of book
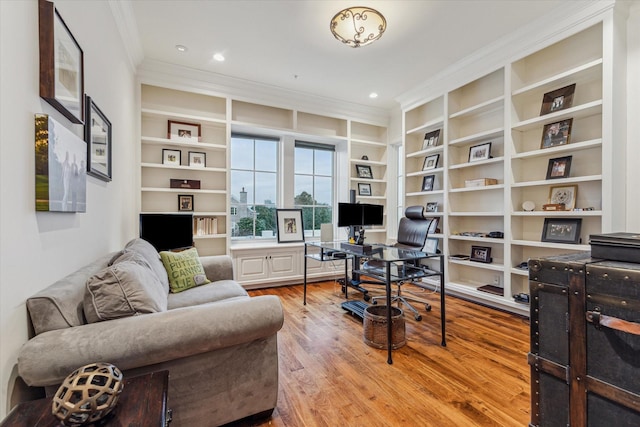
(203, 226)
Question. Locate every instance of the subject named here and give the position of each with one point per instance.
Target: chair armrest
(218, 267)
(148, 339)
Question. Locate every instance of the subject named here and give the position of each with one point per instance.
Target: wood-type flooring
(330, 377)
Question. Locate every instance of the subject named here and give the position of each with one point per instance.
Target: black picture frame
(556, 100)
(185, 203)
(481, 254)
(430, 162)
(290, 227)
(427, 182)
(364, 189)
(197, 159)
(480, 152)
(557, 133)
(431, 139)
(560, 167)
(364, 171)
(431, 207)
(561, 230)
(171, 157)
(97, 134)
(61, 64)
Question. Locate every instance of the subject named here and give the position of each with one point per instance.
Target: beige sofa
(219, 344)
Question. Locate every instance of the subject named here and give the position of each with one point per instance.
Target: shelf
(477, 137)
(427, 172)
(477, 239)
(484, 107)
(520, 272)
(485, 214)
(585, 110)
(538, 244)
(486, 266)
(367, 162)
(425, 193)
(372, 197)
(367, 143)
(195, 214)
(181, 190)
(150, 140)
(426, 151)
(209, 236)
(182, 167)
(381, 181)
(567, 148)
(148, 112)
(483, 188)
(589, 71)
(430, 125)
(572, 180)
(478, 163)
(558, 213)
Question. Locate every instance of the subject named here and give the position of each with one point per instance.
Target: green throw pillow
(184, 269)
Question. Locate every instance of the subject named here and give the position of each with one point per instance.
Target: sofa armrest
(218, 267)
(148, 339)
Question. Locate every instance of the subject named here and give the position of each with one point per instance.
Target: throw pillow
(148, 252)
(184, 269)
(127, 288)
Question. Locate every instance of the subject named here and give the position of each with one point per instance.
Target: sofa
(218, 343)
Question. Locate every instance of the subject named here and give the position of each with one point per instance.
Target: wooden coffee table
(143, 402)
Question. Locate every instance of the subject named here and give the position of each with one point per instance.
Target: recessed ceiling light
(181, 48)
(218, 57)
(373, 95)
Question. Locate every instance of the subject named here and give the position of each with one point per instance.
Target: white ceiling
(287, 44)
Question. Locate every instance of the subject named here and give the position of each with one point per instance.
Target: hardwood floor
(330, 377)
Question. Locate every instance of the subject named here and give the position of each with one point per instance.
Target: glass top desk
(393, 265)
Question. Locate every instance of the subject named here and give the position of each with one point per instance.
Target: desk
(388, 256)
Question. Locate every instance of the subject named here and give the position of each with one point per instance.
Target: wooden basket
(375, 327)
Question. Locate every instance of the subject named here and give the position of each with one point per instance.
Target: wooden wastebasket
(375, 327)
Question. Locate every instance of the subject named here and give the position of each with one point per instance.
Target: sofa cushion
(184, 269)
(126, 288)
(212, 292)
(149, 253)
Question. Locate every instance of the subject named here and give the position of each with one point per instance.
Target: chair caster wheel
(427, 307)
(344, 289)
(417, 317)
(374, 302)
(366, 297)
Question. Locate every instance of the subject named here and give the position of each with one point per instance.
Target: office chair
(413, 230)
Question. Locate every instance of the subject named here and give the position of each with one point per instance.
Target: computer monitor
(372, 214)
(349, 214)
(167, 231)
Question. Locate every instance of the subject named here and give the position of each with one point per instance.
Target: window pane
(303, 189)
(307, 220)
(241, 153)
(266, 186)
(323, 163)
(265, 221)
(241, 187)
(323, 216)
(266, 155)
(303, 160)
(242, 224)
(323, 190)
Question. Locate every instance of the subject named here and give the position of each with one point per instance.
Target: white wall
(39, 248)
(633, 112)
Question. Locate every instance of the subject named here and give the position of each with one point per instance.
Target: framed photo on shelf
(566, 194)
(481, 254)
(171, 157)
(559, 99)
(559, 167)
(197, 159)
(561, 230)
(97, 134)
(182, 131)
(61, 65)
(431, 139)
(427, 182)
(558, 133)
(185, 202)
(364, 171)
(480, 152)
(364, 189)
(290, 227)
(432, 207)
(430, 162)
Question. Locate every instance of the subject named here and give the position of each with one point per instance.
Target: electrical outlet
(496, 281)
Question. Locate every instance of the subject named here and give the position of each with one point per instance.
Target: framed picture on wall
(97, 134)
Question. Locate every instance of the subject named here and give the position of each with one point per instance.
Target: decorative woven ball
(88, 394)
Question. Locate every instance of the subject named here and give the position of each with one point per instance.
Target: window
(254, 186)
(313, 184)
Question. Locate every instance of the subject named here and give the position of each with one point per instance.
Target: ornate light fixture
(358, 26)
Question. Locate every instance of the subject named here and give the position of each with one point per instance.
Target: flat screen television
(167, 231)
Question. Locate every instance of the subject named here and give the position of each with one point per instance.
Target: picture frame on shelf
(556, 100)
(97, 134)
(559, 167)
(364, 189)
(558, 133)
(431, 207)
(364, 171)
(61, 64)
(171, 157)
(427, 182)
(480, 152)
(431, 139)
(185, 202)
(481, 254)
(430, 162)
(561, 230)
(197, 159)
(289, 225)
(565, 194)
(183, 131)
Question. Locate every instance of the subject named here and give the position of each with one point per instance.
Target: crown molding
(569, 17)
(123, 16)
(184, 78)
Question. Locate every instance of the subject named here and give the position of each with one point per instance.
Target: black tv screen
(372, 214)
(167, 231)
(357, 214)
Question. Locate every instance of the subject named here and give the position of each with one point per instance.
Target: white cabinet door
(282, 264)
(252, 267)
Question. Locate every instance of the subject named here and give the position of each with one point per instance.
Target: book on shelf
(205, 226)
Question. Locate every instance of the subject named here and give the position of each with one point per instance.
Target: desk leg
(389, 326)
(442, 308)
(304, 286)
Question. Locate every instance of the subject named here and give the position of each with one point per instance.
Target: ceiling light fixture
(373, 95)
(358, 26)
(218, 57)
(181, 48)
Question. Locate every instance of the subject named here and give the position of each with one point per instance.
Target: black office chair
(413, 230)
